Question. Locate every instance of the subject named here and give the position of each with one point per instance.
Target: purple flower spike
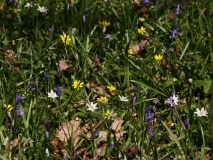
(186, 123)
(111, 146)
(59, 70)
(68, 6)
(47, 77)
(140, 47)
(174, 32)
(108, 36)
(47, 134)
(84, 19)
(58, 90)
(148, 115)
(146, 1)
(134, 100)
(19, 97)
(96, 134)
(118, 25)
(20, 111)
(177, 9)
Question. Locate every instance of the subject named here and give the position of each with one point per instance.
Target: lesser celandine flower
(65, 39)
(104, 24)
(141, 19)
(92, 106)
(111, 88)
(169, 123)
(201, 113)
(142, 30)
(130, 51)
(102, 100)
(77, 84)
(158, 57)
(8, 107)
(52, 94)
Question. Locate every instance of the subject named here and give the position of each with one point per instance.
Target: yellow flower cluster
(102, 100)
(8, 107)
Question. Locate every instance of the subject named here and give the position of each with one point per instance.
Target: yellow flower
(170, 124)
(162, 22)
(107, 115)
(65, 39)
(8, 107)
(104, 23)
(142, 30)
(158, 57)
(110, 115)
(78, 84)
(111, 88)
(15, 10)
(130, 51)
(141, 19)
(102, 100)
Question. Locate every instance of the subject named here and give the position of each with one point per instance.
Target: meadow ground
(106, 79)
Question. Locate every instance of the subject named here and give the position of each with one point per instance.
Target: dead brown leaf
(131, 151)
(117, 124)
(63, 65)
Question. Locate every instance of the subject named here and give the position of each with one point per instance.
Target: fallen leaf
(117, 124)
(131, 151)
(63, 65)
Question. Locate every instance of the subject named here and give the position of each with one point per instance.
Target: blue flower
(20, 111)
(19, 97)
(134, 100)
(186, 123)
(148, 115)
(111, 146)
(68, 6)
(58, 90)
(177, 9)
(84, 18)
(47, 127)
(140, 47)
(47, 77)
(108, 36)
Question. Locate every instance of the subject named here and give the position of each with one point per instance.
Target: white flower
(172, 100)
(28, 5)
(52, 94)
(190, 80)
(123, 99)
(92, 106)
(201, 112)
(42, 9)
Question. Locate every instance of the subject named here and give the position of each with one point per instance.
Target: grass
(65, 66)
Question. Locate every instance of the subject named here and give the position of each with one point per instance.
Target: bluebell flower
(47, 127)
(140, 47)
(59, 70)
(177, 9)
(134, 100)
(146, 1)
(19, 97)
(174, 31)
(58, 90)
(47, 77)
(20, 111)
(68, 6)
(51, 29)
(86, 9)
(108, 36)
(148, 115)
(33, 84)
(111, 146)
(96, 134)
(186, 123)
(118, 25)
